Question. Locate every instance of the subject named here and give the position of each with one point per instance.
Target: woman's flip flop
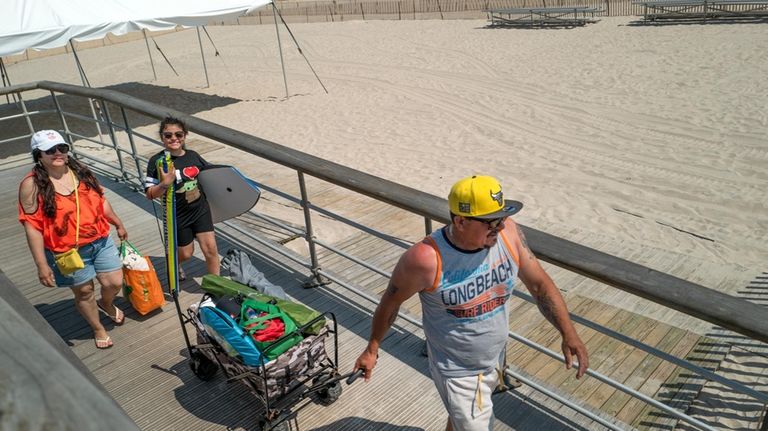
(118, 318)
(103, 343)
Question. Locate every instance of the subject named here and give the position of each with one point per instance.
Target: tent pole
(164, 57)
(6, 81)
(296, 42)
(210, 39)
(19, 101)
(202, 55)
(216, 52)
(83, 77)
(149, 51)
(86, 83)
(280, 48)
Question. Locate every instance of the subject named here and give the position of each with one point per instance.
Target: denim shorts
(98, 256)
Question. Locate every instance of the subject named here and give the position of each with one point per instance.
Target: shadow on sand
(185, 101)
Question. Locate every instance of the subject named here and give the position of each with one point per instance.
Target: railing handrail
(730, 312)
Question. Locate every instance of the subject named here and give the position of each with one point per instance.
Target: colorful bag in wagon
(262, 320)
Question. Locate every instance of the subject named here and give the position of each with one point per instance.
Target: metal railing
(729, 312)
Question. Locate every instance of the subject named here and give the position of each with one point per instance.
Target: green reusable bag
(221, 286)
(251, 325)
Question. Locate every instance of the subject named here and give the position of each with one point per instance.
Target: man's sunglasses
(62, 148)
(169, 135)
(491, 223)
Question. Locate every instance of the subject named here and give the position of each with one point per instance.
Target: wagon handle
(355, 375)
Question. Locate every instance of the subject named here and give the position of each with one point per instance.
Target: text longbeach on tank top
(465, 313)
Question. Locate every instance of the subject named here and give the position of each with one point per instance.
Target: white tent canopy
(46, 24)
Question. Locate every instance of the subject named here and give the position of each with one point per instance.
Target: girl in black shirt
(193, 215)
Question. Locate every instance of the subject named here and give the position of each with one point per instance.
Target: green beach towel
(301, 314)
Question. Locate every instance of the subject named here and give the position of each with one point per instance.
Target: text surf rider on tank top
(465, 312)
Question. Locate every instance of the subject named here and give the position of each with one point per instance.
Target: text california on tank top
(465, 314)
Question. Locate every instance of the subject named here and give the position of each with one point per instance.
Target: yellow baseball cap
(480, 196)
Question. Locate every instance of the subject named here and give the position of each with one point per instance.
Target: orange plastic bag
(142, 288)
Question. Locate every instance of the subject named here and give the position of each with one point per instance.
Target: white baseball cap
(46, 139)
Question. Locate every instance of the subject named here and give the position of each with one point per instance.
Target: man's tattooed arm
(391, 291)
(524, 241)
(548, 310)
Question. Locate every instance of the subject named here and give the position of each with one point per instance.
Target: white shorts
(468, 399)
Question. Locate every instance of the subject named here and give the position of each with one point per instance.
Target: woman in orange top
(48, 209)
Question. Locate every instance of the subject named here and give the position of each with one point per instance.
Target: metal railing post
(134, 155)
(64, 121)
(113, 137)
(26, 114)
(428, 225)
(317, 279)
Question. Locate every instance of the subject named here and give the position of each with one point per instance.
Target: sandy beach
(653, 137)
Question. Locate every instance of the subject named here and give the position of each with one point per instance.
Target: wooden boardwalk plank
(679, 343)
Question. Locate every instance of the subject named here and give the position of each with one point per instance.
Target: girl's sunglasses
(62, 148)
(169, 135)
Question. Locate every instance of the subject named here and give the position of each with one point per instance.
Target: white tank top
(465, 312)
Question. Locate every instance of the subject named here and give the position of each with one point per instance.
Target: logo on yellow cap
(498, 197)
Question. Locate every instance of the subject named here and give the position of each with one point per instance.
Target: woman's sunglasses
(169, 135)
(62, 148)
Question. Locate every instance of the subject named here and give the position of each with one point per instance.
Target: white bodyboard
(228, 192)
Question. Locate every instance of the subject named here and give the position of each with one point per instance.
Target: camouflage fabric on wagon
(283, 374)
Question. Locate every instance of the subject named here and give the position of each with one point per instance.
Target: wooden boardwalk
(146, 371)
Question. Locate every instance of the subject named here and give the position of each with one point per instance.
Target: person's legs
(85, 302)
(185, 252)
(207, 242)
(467, 400)
(204, 232)
(185, 239)
(111, 283)
(106, 263)
(82, 286)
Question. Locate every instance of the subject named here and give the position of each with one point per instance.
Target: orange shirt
(59, 233)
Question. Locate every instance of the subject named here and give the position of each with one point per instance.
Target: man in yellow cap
(464, 274)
